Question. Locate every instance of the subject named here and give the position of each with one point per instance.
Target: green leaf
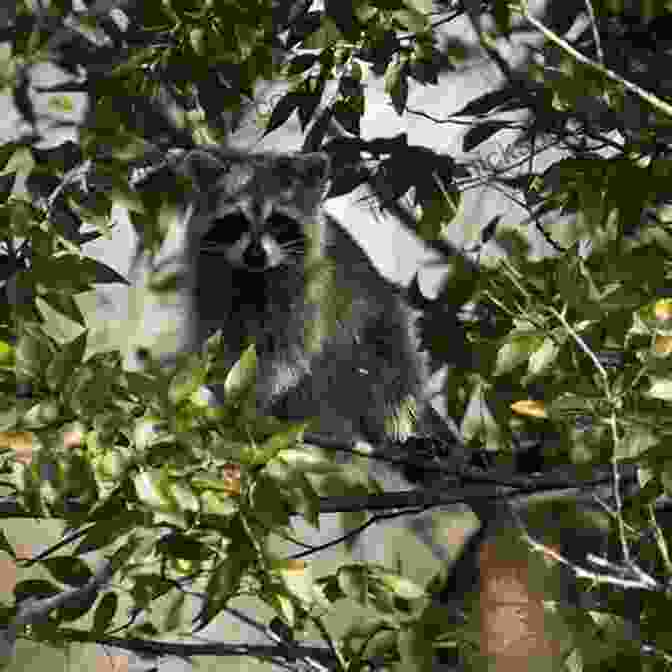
(226, 578)
(37, 588)
(63, 319)
(65, 361)
(175, 613)
(34, 351)
(502, 14)
(148, 431)
(660, 389)
(7, 355)
(544, 357)
(308, 460)
(327, 35)
(437, 213)
(21, 161)
(353, 580)
(197, 39)
(43, 414)
(148, 587)
(242, 377)
(269, 502)
(105, 612)
(150, 488)
(90, 388)
(76, 609)
(402, 587)
(184, 547)
(187, 380)
(412, 19)
(298, 490)
(68, 569)
(183, 496)
(281, 440)
(6, 546)
(416, 650)
(104, 532)
(517, 349)
(420, 6)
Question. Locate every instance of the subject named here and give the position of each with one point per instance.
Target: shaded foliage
(184, 497)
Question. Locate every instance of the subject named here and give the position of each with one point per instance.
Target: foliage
(181, 496)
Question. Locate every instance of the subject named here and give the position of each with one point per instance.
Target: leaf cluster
(183, 498)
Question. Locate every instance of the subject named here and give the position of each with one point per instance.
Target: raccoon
(258, 257)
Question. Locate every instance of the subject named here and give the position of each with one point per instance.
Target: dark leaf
(182, 546)
(344, 17)
(348, 117)
(313, 141)
(22, 100)
(68, 569)
(301, 63)
(490, 228)
(396, 84)
(392, 180)
(425, 72)
(36, 588)
(65, 304)
(105, 612)
(65, 361)
(77, 608)
(347, 180)
(109, 529)
(286, 13)
(379, 146)
(64, 157)
(305, 26)
(309, 102)
(345, 150)
(9, 266)
(6, 186)
(481, 132)
(282, 111)
(487, 102)
(41, 184)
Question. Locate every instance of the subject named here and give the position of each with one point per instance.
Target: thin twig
(650, 98)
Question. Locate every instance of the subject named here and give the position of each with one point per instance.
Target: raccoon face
(279, 239)
(235, 257)
(256, 210)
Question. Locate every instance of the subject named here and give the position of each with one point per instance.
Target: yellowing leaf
(663, 309)
(662, 345)
(22, 443)
(535, 409)
(295, 565)
(231, 478)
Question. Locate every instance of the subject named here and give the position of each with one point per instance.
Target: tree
(571, 351)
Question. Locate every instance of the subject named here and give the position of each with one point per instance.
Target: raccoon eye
(284, 228)
(225, 231)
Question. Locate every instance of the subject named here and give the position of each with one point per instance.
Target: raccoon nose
(255, 256)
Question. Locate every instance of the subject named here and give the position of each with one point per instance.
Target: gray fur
(342, 350)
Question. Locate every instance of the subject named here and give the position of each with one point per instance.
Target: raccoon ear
(202, 167)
